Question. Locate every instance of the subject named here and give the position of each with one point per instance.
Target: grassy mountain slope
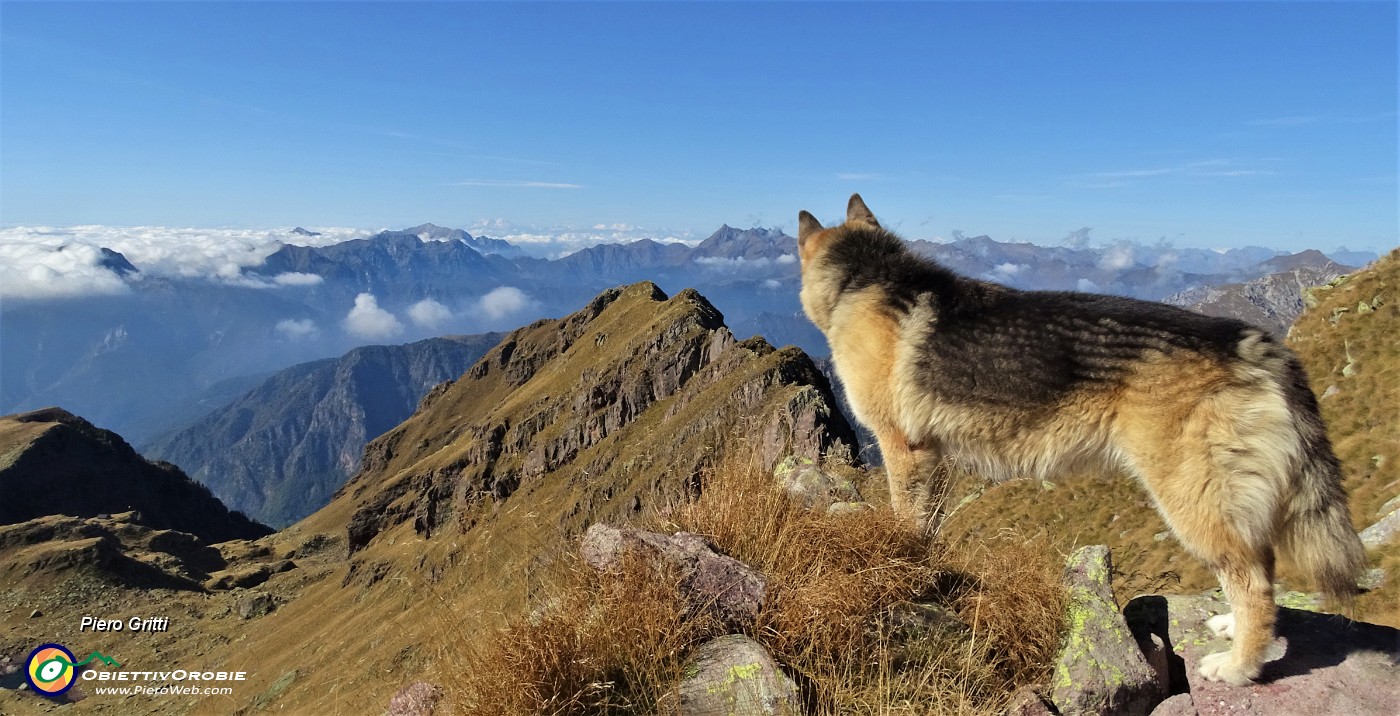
(459, 515)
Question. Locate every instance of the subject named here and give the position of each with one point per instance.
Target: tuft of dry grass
(840, 591)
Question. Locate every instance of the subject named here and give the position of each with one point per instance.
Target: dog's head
(813, 238)
(820, 286)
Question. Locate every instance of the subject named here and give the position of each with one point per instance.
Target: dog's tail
(1317, 533)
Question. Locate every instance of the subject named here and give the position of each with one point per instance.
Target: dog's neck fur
(860, 256)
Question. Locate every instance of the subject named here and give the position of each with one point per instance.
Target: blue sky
(1207, 124)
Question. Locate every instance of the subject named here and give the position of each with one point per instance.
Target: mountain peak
(621, 402)
(59, 463)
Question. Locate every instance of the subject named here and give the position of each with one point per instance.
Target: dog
(1212, 416)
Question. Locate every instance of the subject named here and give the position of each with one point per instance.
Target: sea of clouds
(39, 262)
(53, 262)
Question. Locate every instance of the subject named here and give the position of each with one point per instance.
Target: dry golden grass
(835, 586)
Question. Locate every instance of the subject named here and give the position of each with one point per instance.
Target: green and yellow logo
(51, 669)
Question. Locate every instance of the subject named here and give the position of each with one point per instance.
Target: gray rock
(802, 480)
(733, 676)
(1383, 531)
(921, 620)
(1390, 506)
(1026, 702)
(419, 698)
(1178, 705)
(1101, 670)
(710, 582)
(255, 605)
(838, 509)
(1324, 664)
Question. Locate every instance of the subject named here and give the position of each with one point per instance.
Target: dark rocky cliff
(55, 463)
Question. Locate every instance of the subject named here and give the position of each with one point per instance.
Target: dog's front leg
(916, 486)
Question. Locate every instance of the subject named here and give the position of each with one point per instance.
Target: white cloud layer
(293, 278)
(295, 329)
(503, 302)
(43, 269)
(736, 262)
(367, 320)
(558, 241)
(48, 262)
(429, 313)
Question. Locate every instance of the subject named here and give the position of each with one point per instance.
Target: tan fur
(1214, 441)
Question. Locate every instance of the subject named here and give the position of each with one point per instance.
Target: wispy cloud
(1307, 119)
(1296, 121)
(516, 184)
(1205, 168)
(859, 176)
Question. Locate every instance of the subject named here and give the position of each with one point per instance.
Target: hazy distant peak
(1309, 258)
(433, 232)
(305, 232)
(115, 262)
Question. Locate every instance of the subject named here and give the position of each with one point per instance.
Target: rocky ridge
(561, 402)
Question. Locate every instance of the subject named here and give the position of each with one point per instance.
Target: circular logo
(50, 670)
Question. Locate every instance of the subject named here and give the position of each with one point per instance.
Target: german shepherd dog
(1214, 418)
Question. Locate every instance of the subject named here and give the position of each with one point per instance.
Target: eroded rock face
(733, 676)
(710, 582)
(1324, 664)
(1101, 670)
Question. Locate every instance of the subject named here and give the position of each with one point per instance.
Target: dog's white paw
(1222, 625)
(1220, 667)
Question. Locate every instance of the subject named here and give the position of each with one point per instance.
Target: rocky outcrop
(619, 404)
(1324, 664)
(55, 463)
(1145, 660)
(1101, 670)
(114, 546)
(711, 583)
(279, 451)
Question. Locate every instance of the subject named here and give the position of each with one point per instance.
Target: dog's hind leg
(1221, 494)
(916, 483)
(1245, 570)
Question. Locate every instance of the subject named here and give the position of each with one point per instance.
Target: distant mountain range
(1273, 301)
(280, 450)
(143, 362)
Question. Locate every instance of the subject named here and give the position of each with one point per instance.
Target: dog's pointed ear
(858, 212)
(806, 226)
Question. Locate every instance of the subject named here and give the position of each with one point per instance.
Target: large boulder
(804, 481)
(1323, 664)
(733, 676)
(709, 581)
(1101, 671)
